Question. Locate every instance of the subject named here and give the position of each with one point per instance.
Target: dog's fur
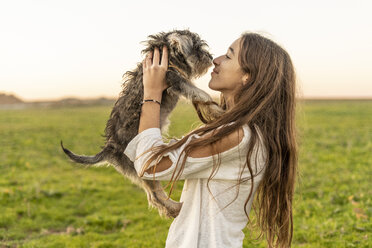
(188, 59)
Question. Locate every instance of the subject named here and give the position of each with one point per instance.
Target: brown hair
(268, 102)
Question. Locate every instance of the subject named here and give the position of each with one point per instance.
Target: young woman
(250, 149)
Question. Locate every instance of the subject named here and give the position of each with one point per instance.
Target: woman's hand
(154, 72)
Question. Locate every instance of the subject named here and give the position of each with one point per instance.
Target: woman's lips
(214, 71)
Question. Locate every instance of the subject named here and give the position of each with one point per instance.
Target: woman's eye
(227, 56)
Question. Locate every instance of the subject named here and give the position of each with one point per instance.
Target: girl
(250, 149)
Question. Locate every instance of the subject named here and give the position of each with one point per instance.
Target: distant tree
(9, 99)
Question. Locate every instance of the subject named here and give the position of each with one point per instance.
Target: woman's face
(227, 74)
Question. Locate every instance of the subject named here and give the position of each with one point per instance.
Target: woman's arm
(154, 84)
(198, 165)
(153, 87)
(226, 143)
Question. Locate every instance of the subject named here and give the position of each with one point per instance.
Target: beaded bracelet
(150, 100)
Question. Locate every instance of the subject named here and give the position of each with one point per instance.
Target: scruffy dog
(188, 59)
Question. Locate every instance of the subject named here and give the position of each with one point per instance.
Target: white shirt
(211, 217)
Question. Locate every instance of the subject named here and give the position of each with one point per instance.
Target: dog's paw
(216, 110)
(172, 210)
(208, 111)
(201, 96)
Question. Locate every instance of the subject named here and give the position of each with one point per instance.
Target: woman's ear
(245, 78)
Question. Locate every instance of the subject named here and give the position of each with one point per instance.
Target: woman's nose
(215, 62)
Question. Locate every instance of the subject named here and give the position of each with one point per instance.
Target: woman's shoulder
(240, 134)
(227, 144)
(240, 138)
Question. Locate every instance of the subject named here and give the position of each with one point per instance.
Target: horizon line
(212, 95)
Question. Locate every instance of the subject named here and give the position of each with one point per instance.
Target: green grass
(46, 201)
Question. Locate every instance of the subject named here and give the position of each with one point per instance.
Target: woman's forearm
(150, 117)
(150, 112)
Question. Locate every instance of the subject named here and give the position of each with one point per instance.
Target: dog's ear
(182, 43)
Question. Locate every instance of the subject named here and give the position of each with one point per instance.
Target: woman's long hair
(268, 102)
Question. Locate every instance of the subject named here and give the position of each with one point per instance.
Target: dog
(189, 58)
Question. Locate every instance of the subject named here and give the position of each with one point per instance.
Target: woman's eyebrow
(232, 50)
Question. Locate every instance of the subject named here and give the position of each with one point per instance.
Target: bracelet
(150, 100)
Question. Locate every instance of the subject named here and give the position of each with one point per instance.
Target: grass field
(45, 201)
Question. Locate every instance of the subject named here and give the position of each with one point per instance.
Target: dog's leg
(159, 199)
(191, 92)
(207, 109)
(156, 195)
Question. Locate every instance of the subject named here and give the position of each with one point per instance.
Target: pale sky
(54, 49)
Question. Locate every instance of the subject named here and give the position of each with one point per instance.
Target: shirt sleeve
(231, 160)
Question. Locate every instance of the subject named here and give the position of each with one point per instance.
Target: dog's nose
(210, 56)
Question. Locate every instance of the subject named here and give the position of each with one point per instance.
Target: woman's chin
(212, 86)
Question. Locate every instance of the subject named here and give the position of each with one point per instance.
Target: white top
(211, 217)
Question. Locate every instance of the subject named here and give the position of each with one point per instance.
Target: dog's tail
(82, 159)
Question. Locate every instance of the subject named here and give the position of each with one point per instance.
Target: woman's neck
(229, 100)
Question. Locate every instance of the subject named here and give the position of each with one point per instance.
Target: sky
(54, 49)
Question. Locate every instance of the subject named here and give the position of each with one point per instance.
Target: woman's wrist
(154, 95)
(150, 111)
